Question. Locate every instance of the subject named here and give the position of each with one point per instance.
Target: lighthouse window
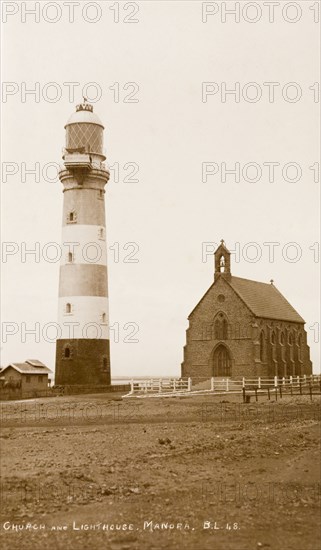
(104, 317)
(86, 135)
(72, 217)
(67, 353)
(101, 233)
(100, 194)
(68, 308)
(70, 257)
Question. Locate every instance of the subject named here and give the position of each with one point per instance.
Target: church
(244, 328)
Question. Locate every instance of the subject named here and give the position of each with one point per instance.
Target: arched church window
(262, 345)
(67, 353)
(282, 339)
(224, 329)
(222, 264)
(273, 338)
(300, 347)
(291, 339)
(217, 330)
(221, 327)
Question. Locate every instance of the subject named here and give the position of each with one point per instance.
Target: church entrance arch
(221, 361)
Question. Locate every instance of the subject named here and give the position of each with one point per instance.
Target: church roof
(265, 300)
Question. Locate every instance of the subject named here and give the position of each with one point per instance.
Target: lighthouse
(82, 350)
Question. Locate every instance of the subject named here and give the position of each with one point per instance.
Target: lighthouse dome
(84, 131)
(84, 113)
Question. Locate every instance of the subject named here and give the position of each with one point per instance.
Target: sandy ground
(198, 473)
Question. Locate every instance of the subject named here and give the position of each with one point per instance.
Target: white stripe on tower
(84, 244)
(83, 317)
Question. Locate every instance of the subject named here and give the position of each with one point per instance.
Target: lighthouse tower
(82, 351)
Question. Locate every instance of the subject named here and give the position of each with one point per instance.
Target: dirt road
(99, 472)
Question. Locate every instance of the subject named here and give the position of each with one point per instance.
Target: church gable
(222, 304)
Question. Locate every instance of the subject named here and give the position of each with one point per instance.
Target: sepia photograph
(160, 382)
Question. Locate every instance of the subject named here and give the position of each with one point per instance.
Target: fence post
(283, 380)
(305, 379)
(189, 384)
(160, 385)
(297, 380)
(276, 387)
(259, 382)
(132, 386)
(212, 383)
(174, 385)
(227, 384)
(243, 382)
(145, 389)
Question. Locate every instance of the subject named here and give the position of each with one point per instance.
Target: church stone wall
(287, 353)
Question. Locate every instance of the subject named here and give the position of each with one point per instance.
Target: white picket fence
(167, 387)
(153, 386)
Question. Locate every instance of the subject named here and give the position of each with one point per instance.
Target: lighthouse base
(82, 362)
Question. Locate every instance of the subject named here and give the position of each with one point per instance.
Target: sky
(159, 76)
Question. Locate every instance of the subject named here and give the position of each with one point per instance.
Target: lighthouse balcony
(77, 160)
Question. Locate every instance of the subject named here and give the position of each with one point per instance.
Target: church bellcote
(222, 259)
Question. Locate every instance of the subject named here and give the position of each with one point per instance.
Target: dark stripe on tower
(87, 362)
